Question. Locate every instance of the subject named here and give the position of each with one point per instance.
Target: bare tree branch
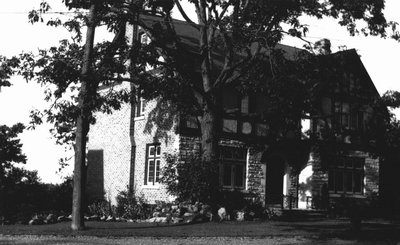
(184, 15)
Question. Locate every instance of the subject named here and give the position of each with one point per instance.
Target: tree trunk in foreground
(82, 126)
(209, 136)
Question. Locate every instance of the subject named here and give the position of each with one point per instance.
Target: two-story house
(124, 152)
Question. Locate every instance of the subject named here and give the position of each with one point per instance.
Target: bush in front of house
(132, 206)
(194, 181)
(191, 179)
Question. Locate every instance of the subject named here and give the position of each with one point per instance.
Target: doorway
(274, 180)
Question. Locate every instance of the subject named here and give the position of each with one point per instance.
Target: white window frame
(156, 158)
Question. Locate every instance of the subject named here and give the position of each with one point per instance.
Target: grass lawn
(325, 229)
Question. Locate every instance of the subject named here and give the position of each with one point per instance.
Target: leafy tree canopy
(248, 28)
(10, 146)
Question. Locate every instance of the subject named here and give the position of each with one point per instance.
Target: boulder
(240, 216)
(94, 218)
(222, 214)
(176, 220)
(62, 218)
(120, 219)
(195, 209)
(51, 219)
(158, 220)
(36, 221)
(168, 216)
(110, 218)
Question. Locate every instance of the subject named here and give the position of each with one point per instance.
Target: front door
(274, 180)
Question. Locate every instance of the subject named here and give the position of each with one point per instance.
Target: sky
(379, 56)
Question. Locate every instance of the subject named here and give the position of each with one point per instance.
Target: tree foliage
(10, 146)
(248, 28)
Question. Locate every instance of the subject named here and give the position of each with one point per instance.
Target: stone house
(122, 151)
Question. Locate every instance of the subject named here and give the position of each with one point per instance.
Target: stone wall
(256, 173)
(371, 176)
(319, 176)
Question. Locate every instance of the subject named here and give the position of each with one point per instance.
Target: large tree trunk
(209, 121)
(209, 135)
(82, 126)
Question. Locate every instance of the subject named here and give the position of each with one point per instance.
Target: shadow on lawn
(368, 231)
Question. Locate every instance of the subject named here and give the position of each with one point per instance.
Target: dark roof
(189, 37)
(350, 61)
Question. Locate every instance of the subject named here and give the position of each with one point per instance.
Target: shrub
(191, 179)
(132, 206)
(101, 208)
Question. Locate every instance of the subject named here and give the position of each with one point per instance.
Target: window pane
(338, 107)
(349, 162)
(229, 126)
(354, 118)
(358, 163)
(151, 171)
(191, 122)
(261, 129)
(226, 153)
(138, 107)
(331, 181)
(360, 120)
(339, 181)
(358, 181)
(340, 161)
(346, 108)
(348, 181)
(227, 178)
(158, 151)
(152, 151)
(143, 106)
(245, 105)
(157, 171)
(239, 154)
(230, 100)
(345, 120)
(239, 175)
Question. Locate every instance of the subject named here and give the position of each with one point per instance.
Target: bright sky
(380, 57)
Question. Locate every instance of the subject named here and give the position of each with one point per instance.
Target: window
(191, 122)
(229, 125)
(357, 120)
(342, 114)
(140, 106)
(244, 104)
(347, 175)
(152, 166)
(233, 167)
